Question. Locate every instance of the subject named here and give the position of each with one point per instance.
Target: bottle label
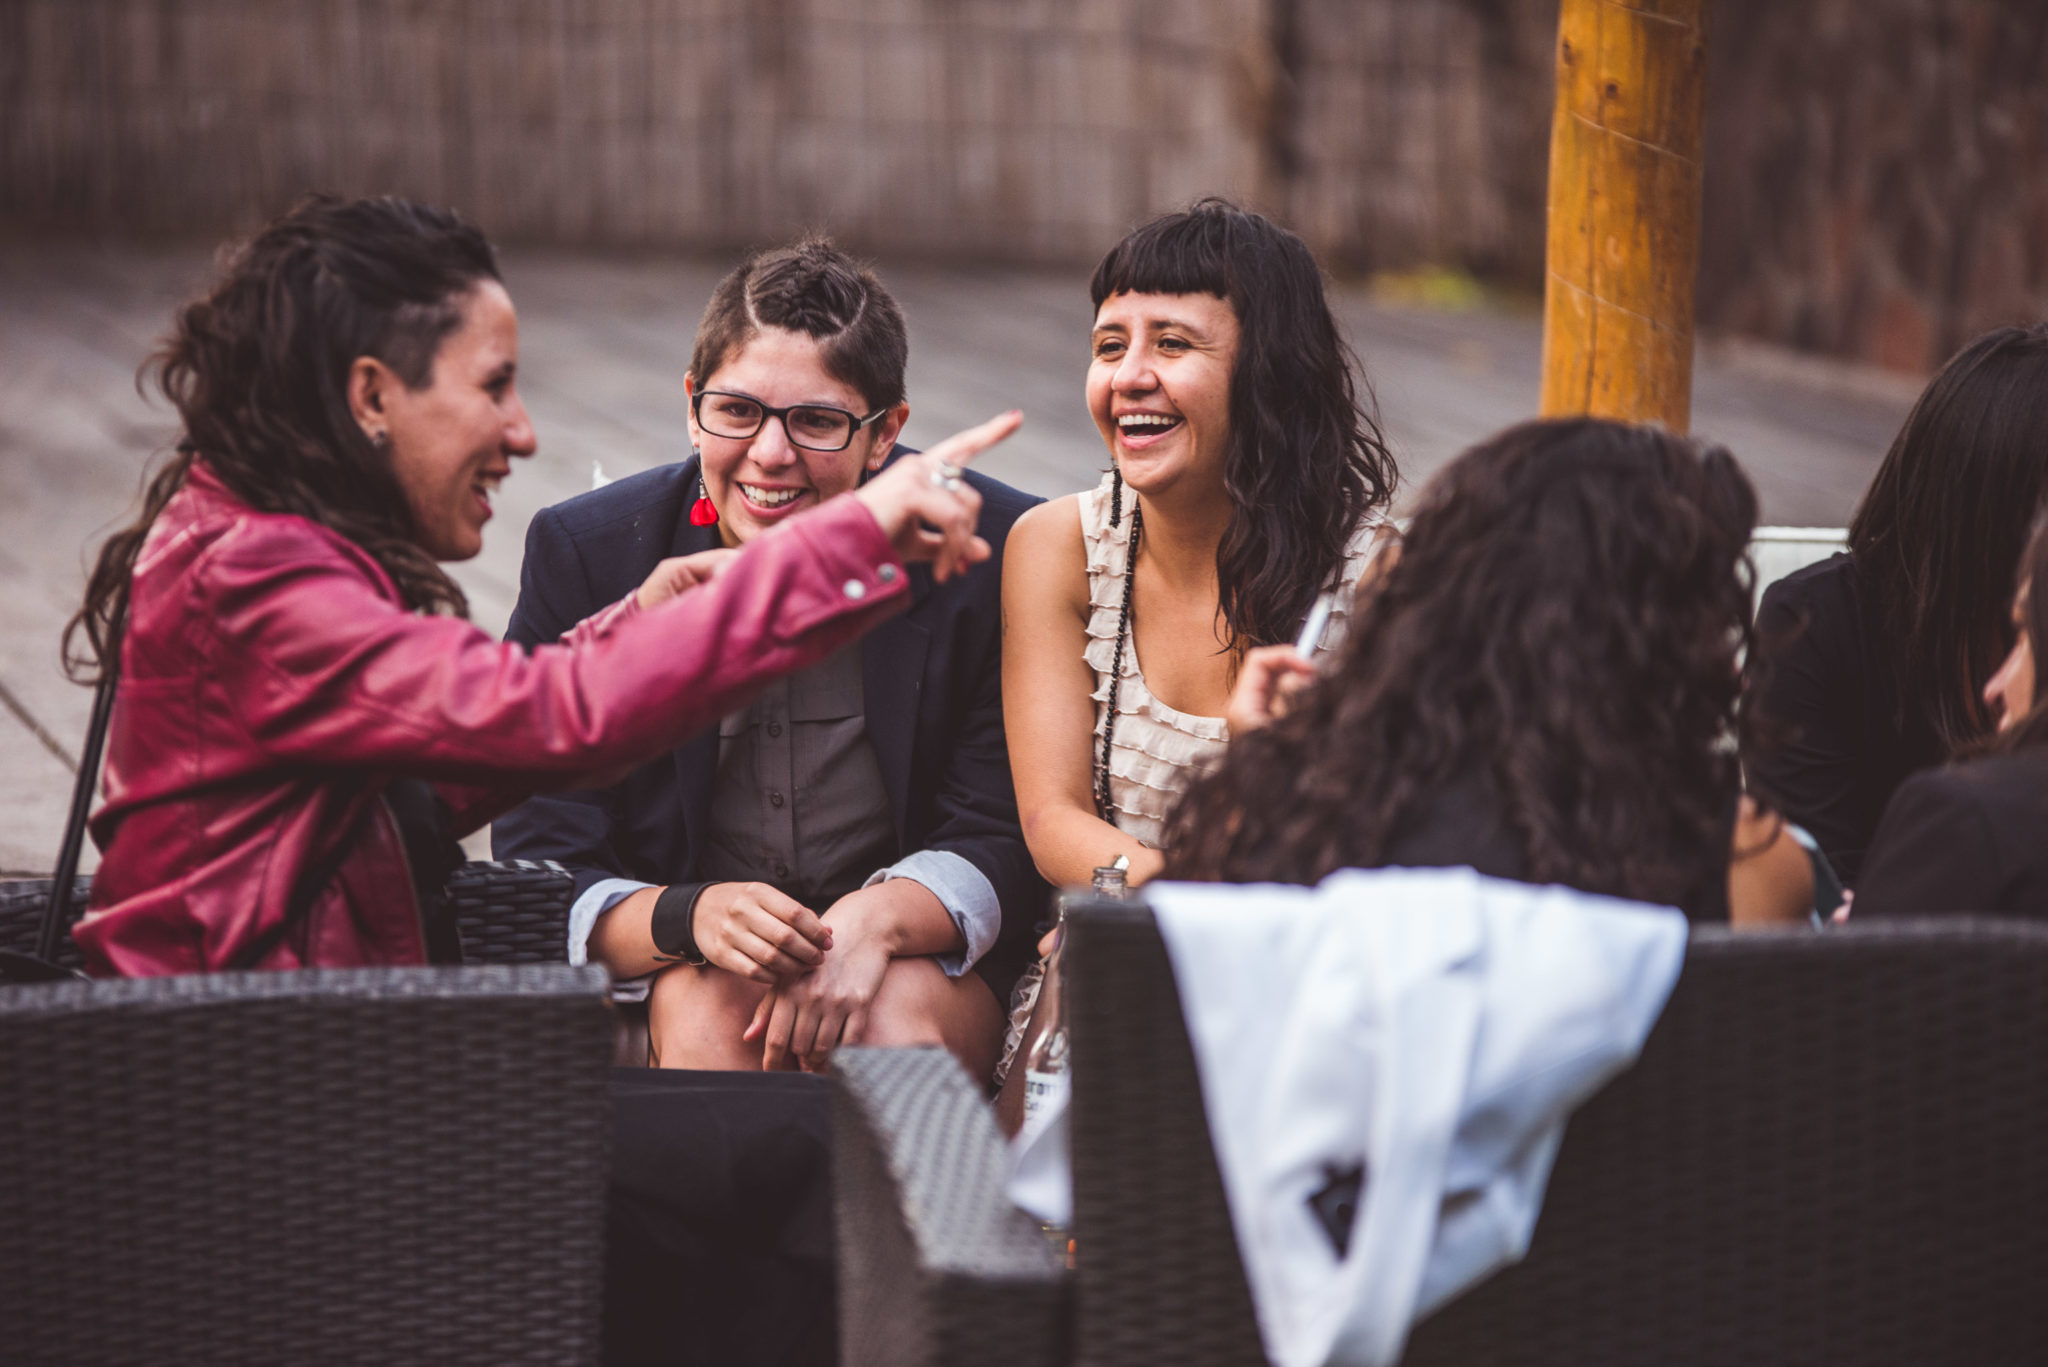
(1045, 1095)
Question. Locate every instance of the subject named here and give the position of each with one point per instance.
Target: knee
(690, 1001)
(909, 1009)
(920, 1005)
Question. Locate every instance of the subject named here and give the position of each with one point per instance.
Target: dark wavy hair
(1944, 521)
(258, 371)
(1562, 629)
(1306, 461)
(814, 288)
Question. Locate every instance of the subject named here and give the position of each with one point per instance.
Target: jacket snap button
(886, 573)
(854, 589)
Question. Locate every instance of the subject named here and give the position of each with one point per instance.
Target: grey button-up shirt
(798, 801)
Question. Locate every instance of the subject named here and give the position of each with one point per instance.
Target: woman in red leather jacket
(304, 720)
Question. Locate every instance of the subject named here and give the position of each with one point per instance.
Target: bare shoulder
(1052, 525)
(1757, 829)
(1770, 880)
(1045, 560)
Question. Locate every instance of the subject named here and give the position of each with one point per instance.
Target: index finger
(795, 915)
(775, 1041)
(963, 447)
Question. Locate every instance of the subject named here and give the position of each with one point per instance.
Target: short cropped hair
(816, 289)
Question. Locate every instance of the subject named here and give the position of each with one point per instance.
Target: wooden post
(1624, 234)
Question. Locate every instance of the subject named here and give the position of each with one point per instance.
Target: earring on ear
(1116, 496)
(381, 440)
(703, 513)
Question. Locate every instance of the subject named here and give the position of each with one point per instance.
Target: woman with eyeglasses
(842, 861)
(304, 721)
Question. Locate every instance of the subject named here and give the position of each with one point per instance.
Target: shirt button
(775, 799)
(781, 869)
(774, 728)
(854, 589)
(886, 573)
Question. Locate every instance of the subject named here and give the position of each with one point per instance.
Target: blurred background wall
(1877, 170)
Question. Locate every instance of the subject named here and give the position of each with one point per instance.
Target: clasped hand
(816, 999)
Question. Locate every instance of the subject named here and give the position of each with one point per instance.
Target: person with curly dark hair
(1248, 477)
(1967, 837)
(1876, 659)
(303, 720)
(1543, 686)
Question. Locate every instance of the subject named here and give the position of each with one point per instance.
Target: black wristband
(673, 924)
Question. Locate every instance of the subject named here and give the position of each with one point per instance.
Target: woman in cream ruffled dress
(1247, 480)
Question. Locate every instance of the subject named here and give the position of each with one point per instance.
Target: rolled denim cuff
(965, 892)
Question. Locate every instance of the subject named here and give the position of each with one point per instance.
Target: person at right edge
(1968, 837)
(1871, 665)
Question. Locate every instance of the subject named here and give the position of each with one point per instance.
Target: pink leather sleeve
(326, 670)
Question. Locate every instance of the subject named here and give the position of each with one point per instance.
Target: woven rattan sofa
(339, 1166)
(1830, 1152)
(402, 1165)
(514, 912)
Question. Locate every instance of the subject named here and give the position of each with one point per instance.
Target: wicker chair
(333, 1166)
(516, 912)
(1829, 1152)
(21, 915)
(512, 912)
(935, 1266)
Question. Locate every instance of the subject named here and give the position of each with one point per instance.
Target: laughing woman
(303, 719)
(1246, 479)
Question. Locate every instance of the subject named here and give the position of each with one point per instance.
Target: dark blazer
(932, 680)
(1826, 679)
(1970, 837)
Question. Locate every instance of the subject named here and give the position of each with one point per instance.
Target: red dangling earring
(703, 513)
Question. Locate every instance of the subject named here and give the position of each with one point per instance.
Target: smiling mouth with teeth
(1145, 423)
(770, 498)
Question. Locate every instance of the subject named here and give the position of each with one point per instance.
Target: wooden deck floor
(606, 341)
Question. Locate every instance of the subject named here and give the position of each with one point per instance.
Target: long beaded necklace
(1116, 667)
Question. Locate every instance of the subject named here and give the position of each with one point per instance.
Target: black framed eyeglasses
(813, 426)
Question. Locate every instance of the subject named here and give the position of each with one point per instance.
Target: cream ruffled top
(1157, 749)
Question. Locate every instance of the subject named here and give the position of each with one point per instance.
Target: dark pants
(719, 1247)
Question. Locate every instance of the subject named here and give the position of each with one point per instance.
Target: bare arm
(745, 928)
(1048, 707)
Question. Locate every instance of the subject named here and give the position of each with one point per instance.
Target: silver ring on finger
(952, 483)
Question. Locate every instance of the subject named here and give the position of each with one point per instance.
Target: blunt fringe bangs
(1307, 465)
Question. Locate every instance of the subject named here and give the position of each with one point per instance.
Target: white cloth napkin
(1431, 1025)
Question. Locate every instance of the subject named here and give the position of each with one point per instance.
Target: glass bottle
(1045, 1067)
